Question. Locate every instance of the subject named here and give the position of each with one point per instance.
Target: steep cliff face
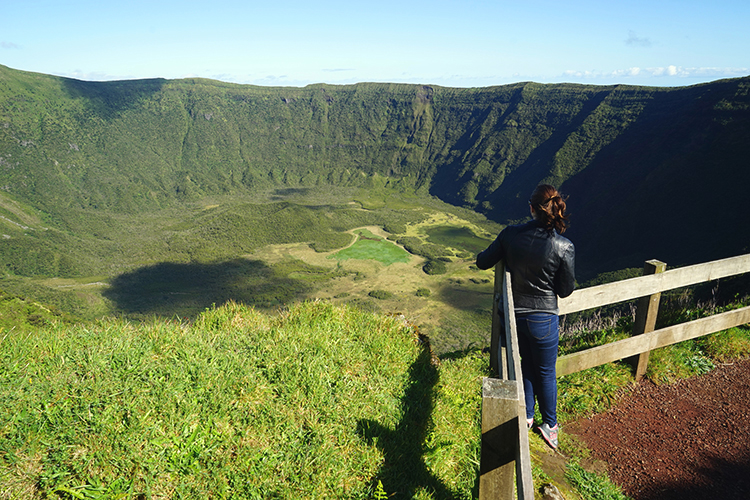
(670, 187)
(639, 163)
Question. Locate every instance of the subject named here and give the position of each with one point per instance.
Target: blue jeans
(538, 338)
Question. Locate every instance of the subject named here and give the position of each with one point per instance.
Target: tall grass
(319, 401)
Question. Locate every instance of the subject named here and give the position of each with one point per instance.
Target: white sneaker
(549, 434)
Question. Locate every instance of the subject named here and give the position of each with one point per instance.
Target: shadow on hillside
(404, 471)
(468, 295)
(171, 289)
(109, 99)
(282, 194)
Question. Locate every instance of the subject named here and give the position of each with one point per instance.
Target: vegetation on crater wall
(109, 176)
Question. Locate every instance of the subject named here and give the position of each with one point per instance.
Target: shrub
(381, 294)
(395, 227)
(434, 267)
(423, 292)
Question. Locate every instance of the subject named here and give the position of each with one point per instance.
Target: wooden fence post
(497, 464)
(645, 316)
(512, 367)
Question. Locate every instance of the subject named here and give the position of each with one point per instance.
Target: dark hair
(549, 206)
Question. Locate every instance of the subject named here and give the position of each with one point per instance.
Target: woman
(542, 267)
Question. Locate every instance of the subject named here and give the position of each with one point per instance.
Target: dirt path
(688, 440)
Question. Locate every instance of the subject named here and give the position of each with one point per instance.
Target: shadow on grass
(404, 472)
(468, 295)
(172, 289)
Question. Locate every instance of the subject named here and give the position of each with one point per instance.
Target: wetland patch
(371, 246)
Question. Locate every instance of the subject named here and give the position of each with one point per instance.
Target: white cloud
(661, 72)
(9, 45)
(93, 76)
(634, 71)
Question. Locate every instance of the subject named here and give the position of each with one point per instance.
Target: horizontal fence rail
(646, 342)
(643, 287)
(633, 288)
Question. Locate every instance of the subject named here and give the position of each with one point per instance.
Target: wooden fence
(505, 445)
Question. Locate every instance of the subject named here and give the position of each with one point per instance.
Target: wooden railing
(505, 439)
(505, 451)
(647, 289)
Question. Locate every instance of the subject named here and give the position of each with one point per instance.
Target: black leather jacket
(541, 263)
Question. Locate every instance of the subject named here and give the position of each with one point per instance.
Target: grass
(320, 401)
(592, 486)
(23, 314)
(317, 401)
(591, 391)
(461, 237)
(696, 357)
(370, 246)
(595, 389)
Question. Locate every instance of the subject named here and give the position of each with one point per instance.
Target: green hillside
(106, 185)
(69, 148)
(211, 256)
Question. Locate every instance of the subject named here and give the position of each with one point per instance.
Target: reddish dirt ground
(688, 440)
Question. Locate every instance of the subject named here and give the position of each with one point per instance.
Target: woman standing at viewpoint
(542, 267)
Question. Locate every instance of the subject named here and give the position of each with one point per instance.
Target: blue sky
(464, 43)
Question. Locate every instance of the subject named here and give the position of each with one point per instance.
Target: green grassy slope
(318, 402)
